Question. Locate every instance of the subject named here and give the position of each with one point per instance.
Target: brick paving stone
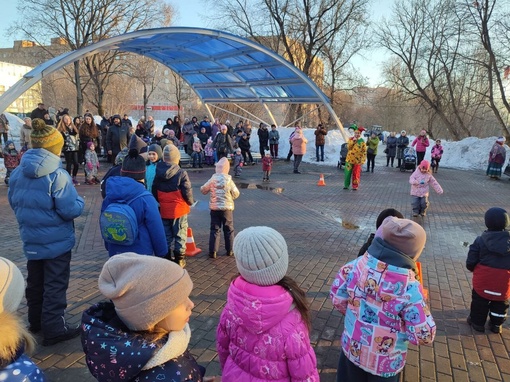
(324, 228)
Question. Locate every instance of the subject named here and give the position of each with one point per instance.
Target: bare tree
(83, 22)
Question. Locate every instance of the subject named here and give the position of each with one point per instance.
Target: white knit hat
(12, 286)
(144, 289)
(261, 255)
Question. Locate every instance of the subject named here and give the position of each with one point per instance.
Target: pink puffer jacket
(261, 336)
(420, 183)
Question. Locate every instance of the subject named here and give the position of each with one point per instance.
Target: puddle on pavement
(347, 224)
(254, 186)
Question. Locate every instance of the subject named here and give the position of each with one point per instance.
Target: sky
(193, 13)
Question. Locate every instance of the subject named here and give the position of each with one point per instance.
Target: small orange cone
(321, 181)
(420, 276)
(191, 249)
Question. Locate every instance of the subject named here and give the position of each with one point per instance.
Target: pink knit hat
(405, 235)
(425, 164)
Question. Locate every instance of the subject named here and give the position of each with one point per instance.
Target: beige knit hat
(405, 235)
(144, 289)
(46, 137)
(12, 286)
(171, 154)
(261, 255)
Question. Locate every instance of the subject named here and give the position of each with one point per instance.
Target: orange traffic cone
(321, 181)
(420, 276)
(191, 249)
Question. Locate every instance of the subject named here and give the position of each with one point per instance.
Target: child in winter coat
(266, 321)
(142, 331)
(15, 340)
(489, 260)
(172, 189)
(197, 152)
(267, 165)
(238, 163)
(383, 304)
(223, 191)
(12, 159)
(209, 152)
(91, 164)
(420, 180)
(436, 154)
(154, 156)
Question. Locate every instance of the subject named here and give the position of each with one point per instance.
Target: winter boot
(179, 259)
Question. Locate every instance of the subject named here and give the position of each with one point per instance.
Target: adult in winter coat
(356, 156)
(497, 157)
(24, 134)
(263, 135)
(402, 143)
(244, 145)
(421, 142)
(117, 137)
(391, 148)
(70, 134)
(89, 132)
(274, 140)
(223, 192)
(15, 340)
(130, 187)
(372, 145)
(222, 143)
(489, 260)
(187, 135)
(4, 128)
(320, 141)
(46, 203)
(298, 142)
(38, 112)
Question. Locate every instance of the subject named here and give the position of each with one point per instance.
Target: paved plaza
(324, 228)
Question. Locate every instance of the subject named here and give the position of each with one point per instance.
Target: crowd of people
(264, 328)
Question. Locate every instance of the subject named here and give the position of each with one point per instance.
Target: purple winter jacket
(262, 337)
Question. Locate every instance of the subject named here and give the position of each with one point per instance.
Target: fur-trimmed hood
(10, 338)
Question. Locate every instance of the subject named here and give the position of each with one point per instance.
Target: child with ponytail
(264, 329)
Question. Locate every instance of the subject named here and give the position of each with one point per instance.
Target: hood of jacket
(107, 341)
(166, 170)
(37, 163)
(123, 188)
(496, 242)
(259, 307)
(223, 166)
(388, 254)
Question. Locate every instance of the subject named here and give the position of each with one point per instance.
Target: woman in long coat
(391, 148)
(497, 158)
(402, 143)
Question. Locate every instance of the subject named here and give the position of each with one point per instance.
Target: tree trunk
(79, 95)
(145, 101)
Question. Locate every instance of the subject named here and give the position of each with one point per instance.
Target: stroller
(343, 156)
(409, 161)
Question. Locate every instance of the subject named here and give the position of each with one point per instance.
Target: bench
(256, 157)
(185, 158)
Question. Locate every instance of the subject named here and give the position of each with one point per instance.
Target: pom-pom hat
(144, 289)
(133, 166)
(261, 255)
(46, 137)
(405, 235)
(12, 286)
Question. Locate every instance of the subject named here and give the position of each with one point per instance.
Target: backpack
(118, 223)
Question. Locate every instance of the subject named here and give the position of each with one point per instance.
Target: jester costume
(356, 157)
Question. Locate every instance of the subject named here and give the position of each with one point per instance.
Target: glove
(422, 182)
(89, 166)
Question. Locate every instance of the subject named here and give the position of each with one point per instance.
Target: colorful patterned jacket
(357, 153)
(384, 309)
(261, 337)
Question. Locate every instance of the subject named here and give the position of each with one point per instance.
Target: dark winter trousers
(71, 158)
(47, 283)
(221, 219)
(297, 161)
(273, 147)
(5, 136)
(245, 154)
(370, 161)
(419, 204)
(176, 231)
(262, 148)
(388, 160)
(481, 307)
(319, 153)
(347, 371)
(289, 155)
(420, 155)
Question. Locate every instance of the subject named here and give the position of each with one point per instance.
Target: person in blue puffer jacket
(45, 203)
(129, 186)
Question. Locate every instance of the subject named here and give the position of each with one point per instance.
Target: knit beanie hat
(136, 143)
(133, 166)
(156, 149)
(425, 164)
(222, 166)
(501, 140)
(12, 286)
(405, 235)
(261, 255)
(89, 144)
(144, 289)
(171, 154)
(46, 137)
(496, 219)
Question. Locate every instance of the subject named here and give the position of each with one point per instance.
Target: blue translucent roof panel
(244, 70)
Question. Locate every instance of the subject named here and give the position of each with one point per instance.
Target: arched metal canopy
(219, 66)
